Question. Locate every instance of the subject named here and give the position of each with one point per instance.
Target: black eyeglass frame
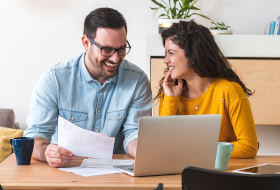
(115, 50)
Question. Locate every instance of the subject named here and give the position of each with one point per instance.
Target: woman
(199, 80)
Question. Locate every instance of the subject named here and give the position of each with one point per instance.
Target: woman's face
(176, 61)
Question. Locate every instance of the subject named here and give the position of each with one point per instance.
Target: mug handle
(232, 147)
(11, 142)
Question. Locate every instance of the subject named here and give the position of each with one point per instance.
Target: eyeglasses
(108, 51)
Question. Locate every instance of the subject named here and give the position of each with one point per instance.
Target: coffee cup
(223, 154)
(23, 148)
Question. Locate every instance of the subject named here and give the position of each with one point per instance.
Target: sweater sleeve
(244, 128)
(168, 105)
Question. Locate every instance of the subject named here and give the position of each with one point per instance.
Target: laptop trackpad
(127, 169)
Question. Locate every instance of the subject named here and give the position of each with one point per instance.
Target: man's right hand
(51, 153)
(57, 156)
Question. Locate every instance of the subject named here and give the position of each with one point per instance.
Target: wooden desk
(39, 175)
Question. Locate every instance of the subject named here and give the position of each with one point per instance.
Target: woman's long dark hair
(202, 52)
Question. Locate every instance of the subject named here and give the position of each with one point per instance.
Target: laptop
(168, 144)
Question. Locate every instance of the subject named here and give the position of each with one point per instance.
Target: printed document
(86, 172)
(105, 163)
(82, 142)
(93, 167)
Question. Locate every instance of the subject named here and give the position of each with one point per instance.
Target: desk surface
(39, 175)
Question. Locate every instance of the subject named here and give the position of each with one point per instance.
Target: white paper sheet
(86, 172)
(82, 142)
(105, 163)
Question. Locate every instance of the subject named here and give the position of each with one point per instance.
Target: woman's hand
(169, 86)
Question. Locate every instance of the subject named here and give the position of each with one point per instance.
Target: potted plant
(220, 28)
(174, 11)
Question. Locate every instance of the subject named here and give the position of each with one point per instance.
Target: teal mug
(223, 154)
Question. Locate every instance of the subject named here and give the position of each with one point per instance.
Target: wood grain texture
(39, 175)
(157, 72)
(260, 75)
(263, 76)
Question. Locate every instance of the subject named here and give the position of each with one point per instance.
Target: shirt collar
(87, 75)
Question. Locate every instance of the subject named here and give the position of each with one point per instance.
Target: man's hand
(51, 153)
(57, 156)
(131, 148)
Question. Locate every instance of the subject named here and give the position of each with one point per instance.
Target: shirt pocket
(114, 121)
(78, 118)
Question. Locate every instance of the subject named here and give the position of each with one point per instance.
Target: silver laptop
(168, 144)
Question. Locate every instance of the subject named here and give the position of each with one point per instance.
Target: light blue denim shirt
(67, 89)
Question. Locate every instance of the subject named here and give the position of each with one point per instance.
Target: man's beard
(100, 69)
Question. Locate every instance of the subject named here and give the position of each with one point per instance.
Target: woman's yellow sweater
(229, 100)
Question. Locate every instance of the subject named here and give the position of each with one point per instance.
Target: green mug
(223, 154)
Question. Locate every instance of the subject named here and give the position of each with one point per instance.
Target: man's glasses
(108, 51)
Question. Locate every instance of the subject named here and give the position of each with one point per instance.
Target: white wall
(35, 34)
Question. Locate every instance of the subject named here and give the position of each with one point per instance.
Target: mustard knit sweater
(229, 100)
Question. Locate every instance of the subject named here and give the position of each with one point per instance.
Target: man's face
(101, 67)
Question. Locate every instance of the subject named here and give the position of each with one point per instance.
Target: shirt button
(120, 117)
(72, 118)
(98, 110)
(100, 90)
(96, 130)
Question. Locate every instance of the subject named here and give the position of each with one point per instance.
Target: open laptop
(168, 144)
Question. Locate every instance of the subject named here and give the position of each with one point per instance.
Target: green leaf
(157, 3)
(154, 8)
(214, 28)
(162, 15)
(183, 10)
(185, 3)
(173, 12)
(164, 3)
(180, 4)
(194, 8)
(155, 13)
(180, 15)
(219, 26)
(199, 15)
(193, 2)
(175, 5)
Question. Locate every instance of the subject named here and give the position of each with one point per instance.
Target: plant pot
(221, 32)
(167, 23)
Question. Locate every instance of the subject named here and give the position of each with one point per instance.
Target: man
(98, 91)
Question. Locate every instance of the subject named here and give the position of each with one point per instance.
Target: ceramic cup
(223, 154)
(23, 148)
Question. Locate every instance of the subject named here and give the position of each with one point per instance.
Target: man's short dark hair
(104, 18)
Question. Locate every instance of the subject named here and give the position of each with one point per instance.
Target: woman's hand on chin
(169, 86)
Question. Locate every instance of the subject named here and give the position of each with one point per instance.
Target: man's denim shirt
(68, 90)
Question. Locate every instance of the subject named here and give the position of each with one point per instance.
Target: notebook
(168, 144)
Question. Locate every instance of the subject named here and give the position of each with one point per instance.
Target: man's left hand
(131, 148)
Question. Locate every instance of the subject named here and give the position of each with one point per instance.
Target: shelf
(245, 46)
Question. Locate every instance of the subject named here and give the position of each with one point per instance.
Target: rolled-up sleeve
(43, 112)
(141, 105)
